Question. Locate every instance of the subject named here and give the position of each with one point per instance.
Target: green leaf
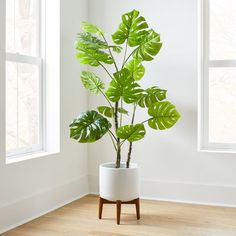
(152, 95)
(149, 47)
(86, 26)
(89, 41)
(123, 86)
(92, 57)
(91, 50)
(164, 115)
(136, 69)
(89, 127)
(122, 111)
(131, 133)
(106, 111)
(133, 28)
(132, 92)
(91, 82)
(116, 48)
(115, 90)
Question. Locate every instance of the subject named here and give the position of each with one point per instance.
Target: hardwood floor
(80, 218)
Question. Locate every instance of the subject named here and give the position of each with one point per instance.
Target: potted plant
(119, 180)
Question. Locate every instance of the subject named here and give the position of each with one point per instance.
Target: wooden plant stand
(118, 207)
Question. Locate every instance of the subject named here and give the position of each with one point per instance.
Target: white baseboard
(27, 209)
(204, 194)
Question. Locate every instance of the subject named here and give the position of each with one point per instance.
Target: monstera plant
(140, 44)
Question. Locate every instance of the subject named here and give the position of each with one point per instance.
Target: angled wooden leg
(118, 211)
(137, 204)
(100, 208)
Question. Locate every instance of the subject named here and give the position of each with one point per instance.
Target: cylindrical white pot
(119, 183)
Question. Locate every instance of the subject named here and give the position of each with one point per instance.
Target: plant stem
(110, 134)
(128, 57)
(107, 99)
(132, 121)
(121, 106)
(146, 120)
(130, 143)
(110, 52)
(126, 46)
(105, 69)
(118, 156)
(129, 155)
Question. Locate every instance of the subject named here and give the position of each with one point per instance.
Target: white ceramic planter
(119, 183)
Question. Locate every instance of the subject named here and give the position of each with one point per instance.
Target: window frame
(38, 60)
(205, 63)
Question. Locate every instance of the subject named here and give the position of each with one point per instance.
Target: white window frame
(39, 61)
(51, 83)
(203, 83)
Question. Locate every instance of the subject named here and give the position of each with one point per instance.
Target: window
(24, 77)
(217, 106)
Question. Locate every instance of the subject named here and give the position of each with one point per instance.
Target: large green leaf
(132, 92)
(91, 82)
(86, 26)
(115, 90)
(133, 28)
(89, 127)
(149, 47)
(108, 111)
(89, 41)
(131, 133)
(136, 69)
(163, 115)
(152, 95)
(92, 57)
(91, 50)
(123, 86)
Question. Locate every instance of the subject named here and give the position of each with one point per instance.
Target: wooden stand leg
(118, 211)
(100, 208)
(118, 207)
(137, 204)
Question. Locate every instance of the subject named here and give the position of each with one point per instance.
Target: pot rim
(111, 166)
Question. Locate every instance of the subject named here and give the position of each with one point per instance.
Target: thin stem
(131, 144)
(132, 121)
(129, 155)
(110, 52)
(121, 106)
(111, 133)
(146, 120)
(112, 140)
(128, 57)
(126, 46)
(118, 156)
(105, 69)
(106, 99)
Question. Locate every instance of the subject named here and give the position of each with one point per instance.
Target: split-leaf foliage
(124, 93)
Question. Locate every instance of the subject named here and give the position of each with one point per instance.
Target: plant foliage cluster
(93, 49)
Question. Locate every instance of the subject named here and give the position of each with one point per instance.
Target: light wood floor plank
(80, 218)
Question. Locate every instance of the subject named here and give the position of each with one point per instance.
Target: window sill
(217, 150)
(19, 158)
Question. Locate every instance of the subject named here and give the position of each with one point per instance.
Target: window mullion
(16, 57)
(222, 63)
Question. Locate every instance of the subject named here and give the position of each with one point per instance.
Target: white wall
(33, 187)
(172, 168)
